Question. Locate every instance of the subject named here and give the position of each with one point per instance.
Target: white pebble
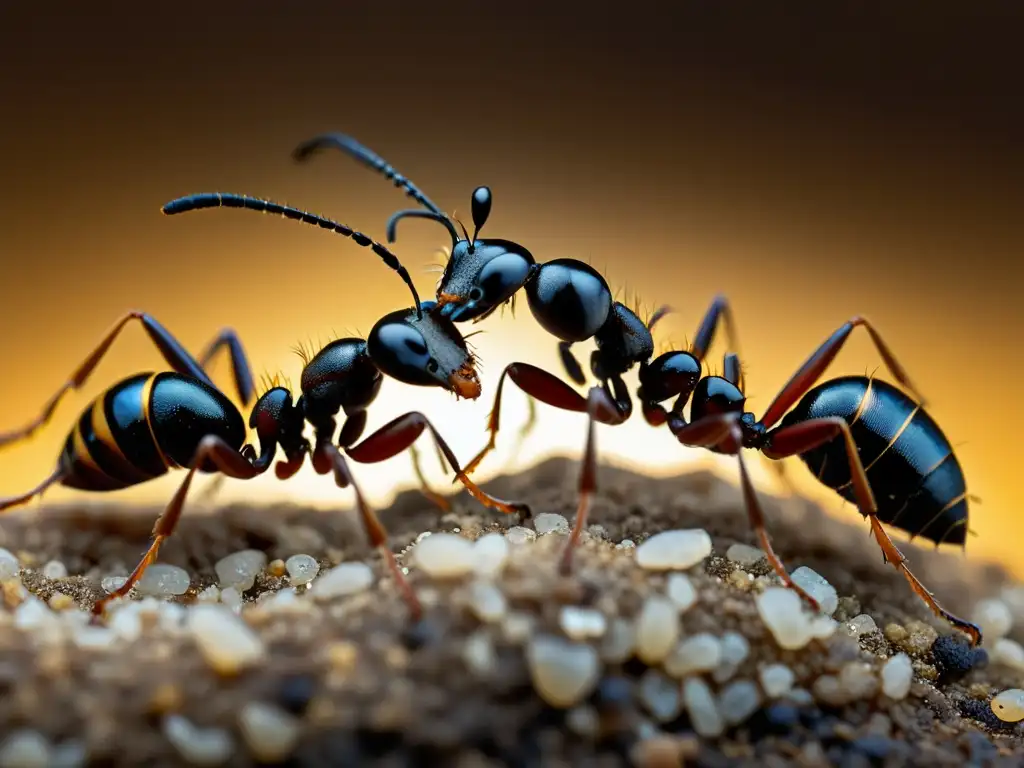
(674, 550)
(33, 613)
(860, 625)
(55, 569)
(1013, 596)
(700, 703)
(782, 611)
(735, 650)
(25, 749)
(209, 595)
(232, 598)
(660, 694)
(1009, 705)
(619, 641)
(344, 579)
(897, 675)
(548, 522)
(10, 566)
(657, 629)
(240, 569)
(994, 618)
(817, 587)
(776, 680)
(126, 622)
(226, 642)
(738, 701)
(488, 602)
(858, 680)
(1009, 653)
(563, 672)
(698, 653)
(444, 556)
(680, 590)
(94, 638)
(582, 623)
(199, 746)
(478, 653)
(490, 553)
(302, 569)
(517, 534)
(112, 583)
(269, 732)
(163, 580)
(744, 554)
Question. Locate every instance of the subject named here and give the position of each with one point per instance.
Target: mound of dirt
(622, 663)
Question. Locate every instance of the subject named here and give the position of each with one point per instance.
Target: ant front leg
(176, 356)
(719, 312)
(399, 434)
(722, 431)
(800, 438)
(600, 407)
(536, 383)
(570, 363)
(819, 361)
(374, 528)
(225, 459)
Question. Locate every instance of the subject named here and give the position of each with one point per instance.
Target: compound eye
(500, 278)
(432, 365)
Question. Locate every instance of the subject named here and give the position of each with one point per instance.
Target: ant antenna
(481, 205)
(415, 213)
(218, 200)
(366, 156)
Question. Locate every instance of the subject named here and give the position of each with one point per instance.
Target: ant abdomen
(569, 298)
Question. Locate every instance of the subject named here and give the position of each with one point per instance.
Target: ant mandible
(568, 298)
(149, 423)
(861, 436)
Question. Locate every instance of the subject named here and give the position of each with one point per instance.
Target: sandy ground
(347, 680)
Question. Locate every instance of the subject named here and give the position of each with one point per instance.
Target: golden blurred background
(812, 166)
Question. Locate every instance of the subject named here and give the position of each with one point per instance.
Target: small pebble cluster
(717, 650)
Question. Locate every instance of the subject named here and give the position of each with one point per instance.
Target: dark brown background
(813, 165)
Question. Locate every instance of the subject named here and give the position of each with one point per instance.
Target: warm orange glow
(803, 215)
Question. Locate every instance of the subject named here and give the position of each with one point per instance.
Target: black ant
(568, 298)
(860, 436)
(151, 422)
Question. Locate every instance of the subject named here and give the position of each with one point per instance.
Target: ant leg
(225, 459)
(375, 530)
(570, 363)
(437, 499)
(821, 358)
(719, 311)
(400, 433)
(808, 435)
(17, 501)
(240, 368)
(172, 350)
(721, 431)
(536, 383)
(598, 404)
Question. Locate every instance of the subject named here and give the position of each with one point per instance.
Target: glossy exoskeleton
(152, 422)
(569, 298)
(860, 436)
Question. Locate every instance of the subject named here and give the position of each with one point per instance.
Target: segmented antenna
(224, 200)
(368, 157)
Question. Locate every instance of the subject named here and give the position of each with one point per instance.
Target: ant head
(669, 375)
(481, 275)
(715, 395)
(278, 422)
(425, 351)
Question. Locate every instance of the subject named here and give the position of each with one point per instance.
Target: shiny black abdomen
(183, 410)
(918, 483)
(569, 298)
